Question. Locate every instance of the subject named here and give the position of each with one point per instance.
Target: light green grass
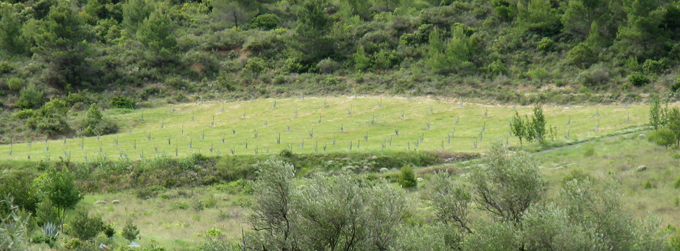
(620, 157)
(388, 117)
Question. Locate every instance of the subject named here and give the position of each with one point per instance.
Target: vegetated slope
(318, 125)
(646, 173)
(511, 51)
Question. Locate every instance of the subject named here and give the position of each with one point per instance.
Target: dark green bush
(123, 102)
(407, 178)
(15, 83)
(265, 21)
(638, 79)
(675, 86)
(84, 227)
(30, 98)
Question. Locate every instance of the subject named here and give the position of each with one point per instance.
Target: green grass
(162, 123)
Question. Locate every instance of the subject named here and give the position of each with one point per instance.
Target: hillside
(177, 51)
(325, 125)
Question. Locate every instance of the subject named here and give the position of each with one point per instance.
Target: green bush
(5, 67)
(654, 66)
(256, 65)
(84, 227)
(638, 79)
(407, 178)
(95, 124)
(265, 21)
(663, 137)
(589, 152)
(123, 102)
(50, 119)
(30, 98)
(647, 185)
(546, 44)
(15, 83)
(130, 231)
(676, 184)
(328, 66)
(675, 86)
(24, 114)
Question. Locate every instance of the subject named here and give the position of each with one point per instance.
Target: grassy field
(309, 124)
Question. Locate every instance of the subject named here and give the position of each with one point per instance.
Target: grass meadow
(310, 124)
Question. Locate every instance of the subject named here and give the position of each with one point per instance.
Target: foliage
(13, 228)
(663, 137)
(95, 124)
(123, 102)
(638, 79)
(407, 179)
(657, 114)
(532, 129)
(84, 227)
(265, 21)
(50, 119)
(30, 98)
(451, 201)
(508, 184)
(60, 189)
(130, 231)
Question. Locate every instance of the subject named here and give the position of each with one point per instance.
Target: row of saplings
(502, 204)
(33, 212)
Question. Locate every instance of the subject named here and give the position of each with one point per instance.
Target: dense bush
(50, 119)
(123, 102)
(638, 79)
(265, 21)
(84, 227)
(94, 123)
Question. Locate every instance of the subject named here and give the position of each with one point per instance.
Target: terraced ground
(313, 124)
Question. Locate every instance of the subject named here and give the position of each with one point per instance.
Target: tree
(134, 14)
(61, 41)
(657, 114)
(84, 227)
(11, 23)
(663, 136)
(361, 59)
(407, 179)
(537, 125)
(130, 231)
(673, 117)
(450, 201)
(59, 187)
(237, 11)
(518, 127)
(30, 97)
(156, 32)
(311, 39)
(508, 184)
(272, 212)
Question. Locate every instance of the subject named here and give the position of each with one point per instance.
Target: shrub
(546, 44)
(123, 102)
(638, 79)
(15, 84)
(676, 184)
(663, 137)
(50, 119)
(328, 66)
(95, 124)
(675, 86)
(256, 65)
(654, 66)
(407, 179)
(84, 227)
(265, 21)
(130, 231)
(596, 75)
(5, 67)
(30, 98)
(109, 231)
(24, 114)
(647, 185)
(581, 55)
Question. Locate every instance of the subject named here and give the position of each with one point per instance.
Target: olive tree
(507, 184)
(272, 218)
(450, 201)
